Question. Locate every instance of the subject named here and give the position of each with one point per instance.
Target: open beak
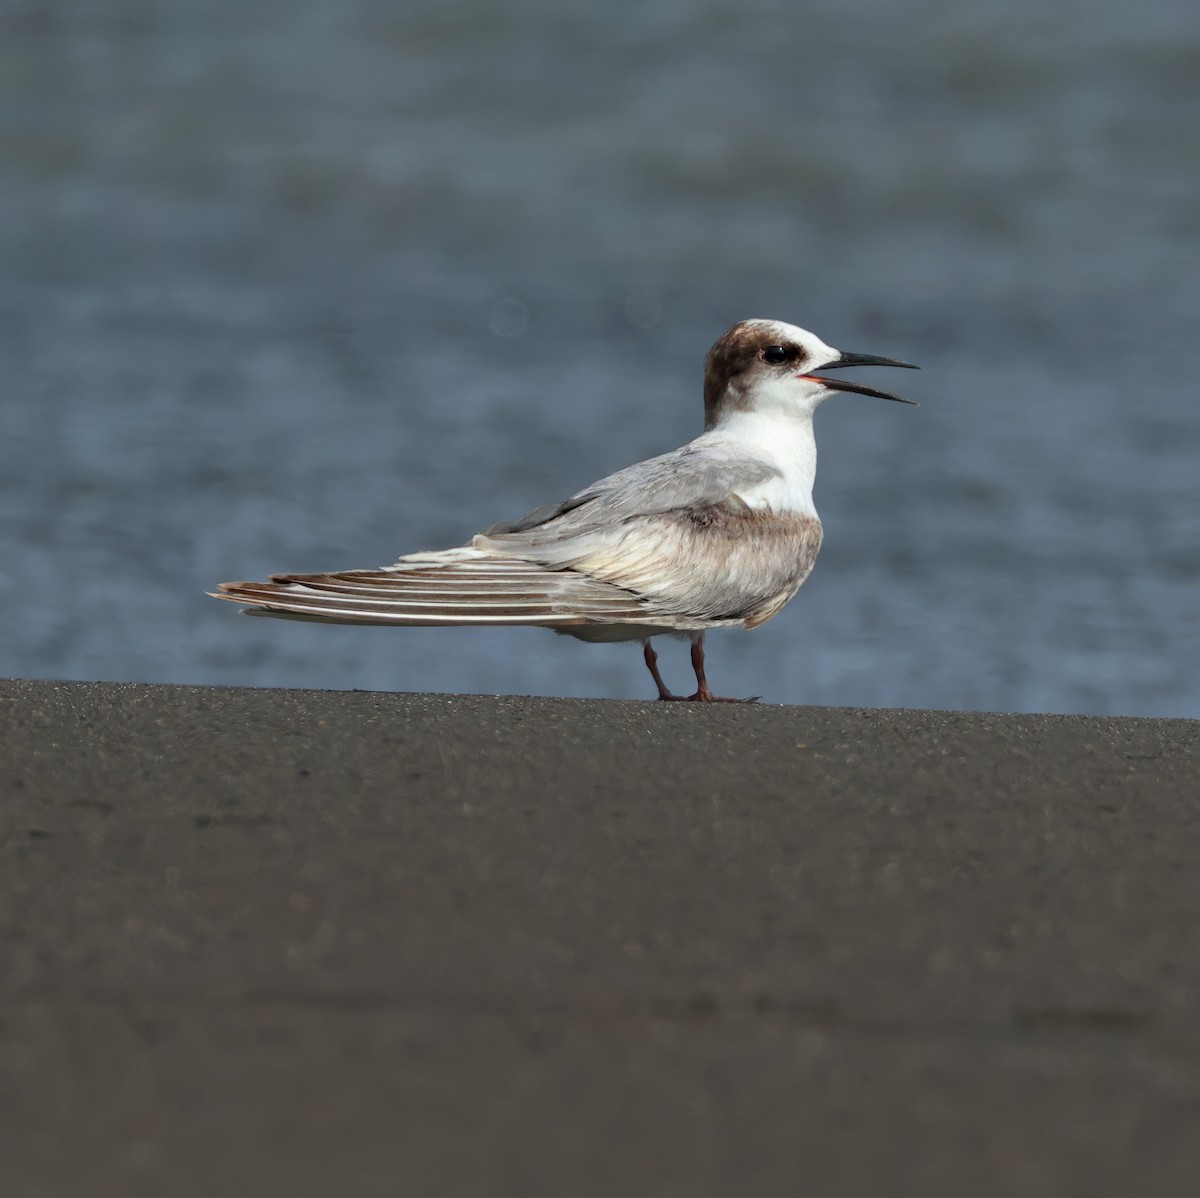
(847, 359)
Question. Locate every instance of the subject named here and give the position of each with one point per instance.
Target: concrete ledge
(315, 943)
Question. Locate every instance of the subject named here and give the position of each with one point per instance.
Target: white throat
(786, 441)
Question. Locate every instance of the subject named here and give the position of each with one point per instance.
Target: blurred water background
(299, 285)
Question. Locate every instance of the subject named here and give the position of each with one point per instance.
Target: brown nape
(729, 365)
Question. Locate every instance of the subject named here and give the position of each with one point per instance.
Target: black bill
(843, 360)
(847, 359)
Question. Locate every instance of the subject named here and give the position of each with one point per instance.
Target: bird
(720, 533)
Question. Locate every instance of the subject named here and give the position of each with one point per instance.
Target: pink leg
(652, 665)
(703, 693)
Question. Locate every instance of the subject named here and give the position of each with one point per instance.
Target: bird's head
(769, 366)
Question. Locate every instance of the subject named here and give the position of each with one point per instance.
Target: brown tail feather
(476, 592)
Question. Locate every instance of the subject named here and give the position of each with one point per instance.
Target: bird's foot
(703, 695)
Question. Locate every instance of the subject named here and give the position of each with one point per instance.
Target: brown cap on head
(736, 360)
(754, 352)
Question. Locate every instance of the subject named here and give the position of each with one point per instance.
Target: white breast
(788, 445)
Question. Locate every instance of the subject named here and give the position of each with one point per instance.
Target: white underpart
(778, 430)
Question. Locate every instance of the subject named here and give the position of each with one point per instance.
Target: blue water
(300, 286)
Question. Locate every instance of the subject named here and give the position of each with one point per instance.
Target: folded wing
(457, 586)
(668, 543)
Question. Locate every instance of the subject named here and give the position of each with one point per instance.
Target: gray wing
(687, 479)
(675, 532)
(666, 543)
(454, 586)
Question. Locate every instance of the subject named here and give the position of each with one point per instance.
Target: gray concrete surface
(299, 943)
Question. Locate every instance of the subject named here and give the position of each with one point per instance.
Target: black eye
(775, 354)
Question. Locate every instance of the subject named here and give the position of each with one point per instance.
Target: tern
(720, 533)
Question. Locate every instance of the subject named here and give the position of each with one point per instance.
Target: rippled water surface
(301, 286)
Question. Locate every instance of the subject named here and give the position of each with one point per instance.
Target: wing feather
(437, 589)
(668, 543)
